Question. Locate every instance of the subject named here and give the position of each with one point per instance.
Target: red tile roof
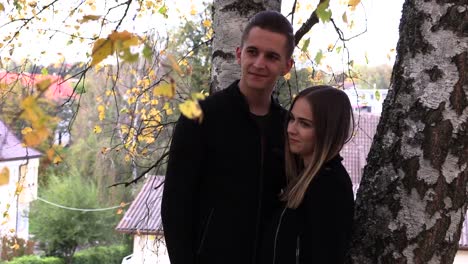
(144, 214)
(57, 91)
(11, 147)
(355, 151)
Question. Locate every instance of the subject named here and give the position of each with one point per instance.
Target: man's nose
(259, 61)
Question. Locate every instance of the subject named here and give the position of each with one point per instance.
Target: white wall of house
(149, 249)
(461, 257)
(25, 174)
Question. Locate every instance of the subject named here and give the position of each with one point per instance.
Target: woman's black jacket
(319, 230)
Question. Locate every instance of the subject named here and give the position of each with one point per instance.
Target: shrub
(102, 254)
(36, 260)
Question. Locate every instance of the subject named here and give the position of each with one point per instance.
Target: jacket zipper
(260, 196)
(276, 234)
(298, 249)
(205, 230)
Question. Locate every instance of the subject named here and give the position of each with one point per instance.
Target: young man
(224, 174)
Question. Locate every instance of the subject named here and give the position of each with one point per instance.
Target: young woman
(314, 227)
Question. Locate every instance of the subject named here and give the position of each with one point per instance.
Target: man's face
(263, 58)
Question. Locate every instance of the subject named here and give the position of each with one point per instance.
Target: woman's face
(301, 130)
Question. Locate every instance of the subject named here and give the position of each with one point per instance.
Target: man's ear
(289, 64)
(238, 54)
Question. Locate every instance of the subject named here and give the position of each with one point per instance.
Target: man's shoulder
(220, 100)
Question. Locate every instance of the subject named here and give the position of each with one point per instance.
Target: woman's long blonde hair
(334, 126)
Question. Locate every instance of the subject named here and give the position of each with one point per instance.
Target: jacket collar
(234, 91)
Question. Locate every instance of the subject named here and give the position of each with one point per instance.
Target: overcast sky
(381, 36)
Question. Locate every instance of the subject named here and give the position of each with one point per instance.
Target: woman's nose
(291, 127)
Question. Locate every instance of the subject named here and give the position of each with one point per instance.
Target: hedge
(36, 260)
(95, 255)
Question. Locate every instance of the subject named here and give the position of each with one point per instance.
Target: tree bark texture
(229, 19)
(413, 197)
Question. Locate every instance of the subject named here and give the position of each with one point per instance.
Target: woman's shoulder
(333, 172)
(332, 183)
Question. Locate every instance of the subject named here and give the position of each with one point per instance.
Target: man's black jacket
(222, 181)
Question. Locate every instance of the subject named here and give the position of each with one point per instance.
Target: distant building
(367, 100)
(59, 91)
(143, 221)
(18, 173)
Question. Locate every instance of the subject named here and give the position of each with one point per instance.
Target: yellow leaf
(50, 153)
(102, 49)
(19, 188)
(104, 150)
(198, 96)
(15, 246)
(102, 112)
(191, 109)
(26, 130)
(168, 108)
(353, 3)
(4, 176)
(193, 11)
(345, 18)
(97, 129)
(44, 84)
(87, 18)
(165, 89)
(124, 35)
(120, 211)
(174, 64)
(287, 76)
(207, 23)
(57, 160)
(37, 136)
(2, 7)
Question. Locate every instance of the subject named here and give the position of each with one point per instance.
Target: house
(143, 221)
(354, 155)
(366, 100)
(58, 91)
(18, 175)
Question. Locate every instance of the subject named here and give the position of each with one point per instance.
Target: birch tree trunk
(413, 197)
(229, 19)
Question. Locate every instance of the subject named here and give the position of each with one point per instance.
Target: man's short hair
(275, 22)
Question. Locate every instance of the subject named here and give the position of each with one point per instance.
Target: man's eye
(251, 52)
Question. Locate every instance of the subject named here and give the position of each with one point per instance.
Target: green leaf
(338, 49)
(318, 57)
(377, 95)
(128, 56)
(322, 11)
(163, 11)
(306, 45)
(147, 52)
(44, 71)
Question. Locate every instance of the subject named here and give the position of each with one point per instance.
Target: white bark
(413, 197)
